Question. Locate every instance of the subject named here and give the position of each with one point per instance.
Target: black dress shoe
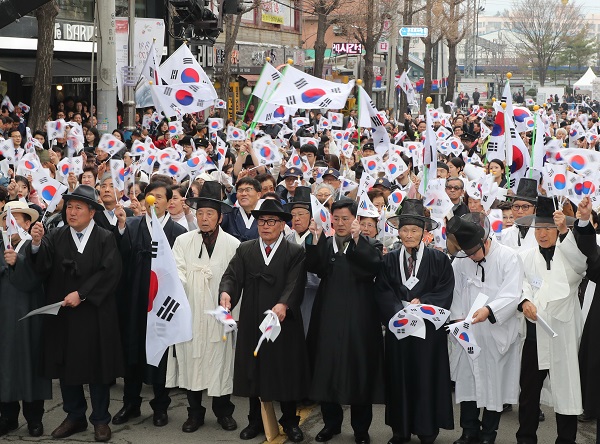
(488, 441)
(252, 431)
(7, 425)
(467, 439)
(507, 408)
(35, 428)
(585, 417)
(327, 433)
(362, 438)
(294, 433)
(160, 419)
(227, 423)
(125, 414)
(192, 424)
(68, 428)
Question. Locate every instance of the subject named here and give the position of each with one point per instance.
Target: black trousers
(360, 416)
(532, 380)
(75, 406)
(133, 389)
(288, 413)
(32, 411)
(486, 429)
(221, 405)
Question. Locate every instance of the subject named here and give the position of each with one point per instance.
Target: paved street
(141, 429)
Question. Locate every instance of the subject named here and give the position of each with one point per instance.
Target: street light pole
(107, 67)
(128, 81)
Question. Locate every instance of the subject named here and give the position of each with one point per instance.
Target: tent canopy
(585, 82)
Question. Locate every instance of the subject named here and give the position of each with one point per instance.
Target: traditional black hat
(412, 213)
(85, 193)
(209, 197)
(466, 234)
(301, 199)
(272, 207)
(527, 191)
(544, 214)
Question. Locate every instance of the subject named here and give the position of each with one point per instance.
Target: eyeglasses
(342, 219)
(247, 190)
(269, 222)
(324, 196)
(364, 225)
(451, 188)
(300, 214)
(522, 207)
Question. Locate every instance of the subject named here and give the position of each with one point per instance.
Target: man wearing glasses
(301, 217)
(240, 223)
(345, 325)
(455, 190)
(270, 273)
(523, 204)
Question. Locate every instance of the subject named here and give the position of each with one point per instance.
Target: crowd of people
(356, 265)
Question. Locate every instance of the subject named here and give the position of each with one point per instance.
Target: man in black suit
(135, 242)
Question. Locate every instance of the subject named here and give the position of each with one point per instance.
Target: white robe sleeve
(179, 254)
(504, 305)
(575, 258)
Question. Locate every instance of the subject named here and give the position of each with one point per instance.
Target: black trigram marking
(442, 311)
(291, 100)
(168, 91)
(275, 76)
(325, 102)
(466, 325)
(470, 350)
(413, 323)
(376, 121)
(174, 73)
(300, 83)
(194, 88)
(188, 61)
(455, 331)
(154, 249)
(336, 90)
(401, 331)
(168, 309)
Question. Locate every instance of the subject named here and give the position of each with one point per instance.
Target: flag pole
(358, 85)
(507, 136)
(263, 103)
(534, 138)
(428, 100)
(268, 60)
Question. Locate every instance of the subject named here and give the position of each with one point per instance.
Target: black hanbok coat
(280, 371)
(233, 223)
(82, 345)
(417, 371)
(344, 337)
(132, 300)
(589, 358)
(21, 291)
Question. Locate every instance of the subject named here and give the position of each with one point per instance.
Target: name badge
(410, 283)
(537, 282)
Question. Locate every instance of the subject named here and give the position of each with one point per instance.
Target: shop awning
(251, 79)
(64, 71)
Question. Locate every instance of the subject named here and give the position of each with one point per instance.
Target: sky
(494, 6)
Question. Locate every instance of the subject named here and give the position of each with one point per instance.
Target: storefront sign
(347, 48)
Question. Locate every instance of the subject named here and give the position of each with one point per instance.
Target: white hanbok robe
(555, 294)
(492, 379)
(205, 362)
(511, 237)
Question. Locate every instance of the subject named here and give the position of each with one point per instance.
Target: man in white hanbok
(491, 379)
(205, 362)
(553, 271)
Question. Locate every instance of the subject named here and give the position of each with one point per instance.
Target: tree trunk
(426, 92)
(42, 87)
(369, 48)
(450, 84)
(320, 44)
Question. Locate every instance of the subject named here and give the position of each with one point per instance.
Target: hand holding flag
(270, 328)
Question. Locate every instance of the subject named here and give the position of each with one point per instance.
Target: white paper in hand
(51, 309)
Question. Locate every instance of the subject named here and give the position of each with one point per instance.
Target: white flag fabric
(110, 144)
(267, 82)
(270, 113)
(47, 188)
(7, 102)
(302, 90)
(183, 98)
(56, 129)
(117, 171)
(266, 151)
(169, 313)
(182, 67)
(320, 214)
(366, 207)
(235, 134)
(406, 85)
(368, 117)
(335, 119)
(151, 71)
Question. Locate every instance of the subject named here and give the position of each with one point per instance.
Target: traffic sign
(414, 31)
